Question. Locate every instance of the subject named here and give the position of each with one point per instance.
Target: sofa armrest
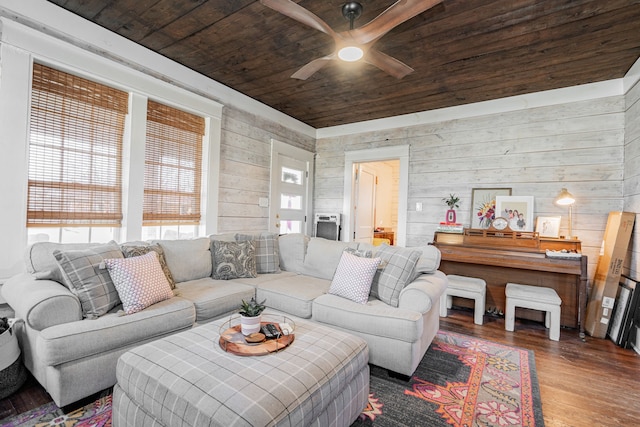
(421, 294)
(41, 303)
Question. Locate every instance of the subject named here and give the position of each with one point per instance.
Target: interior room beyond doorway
(376, 201)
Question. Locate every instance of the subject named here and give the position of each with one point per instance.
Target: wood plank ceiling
(463, 51)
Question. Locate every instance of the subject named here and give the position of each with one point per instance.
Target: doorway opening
(375, 208)
(364, 163)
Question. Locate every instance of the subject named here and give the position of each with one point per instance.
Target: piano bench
(465, 287)
(536, 298)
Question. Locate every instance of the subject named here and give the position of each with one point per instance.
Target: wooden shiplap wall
(632, 174)
(245, 157)
(536, 152)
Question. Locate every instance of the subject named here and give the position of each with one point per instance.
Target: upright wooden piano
(500, 257)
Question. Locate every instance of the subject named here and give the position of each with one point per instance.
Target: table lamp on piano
(564, 198)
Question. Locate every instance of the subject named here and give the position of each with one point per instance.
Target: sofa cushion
(85, 275)
(131, 250)
(267, 251)
(353, 277)
(225, 237)
(77, 340)
(292, 294)
(293, 248)
(40, 261)
(232, 260)
(187, 259)
(429, 260)
(323, 256)
(139, 280)
(373, 318)
(398, 266)
(214, 298)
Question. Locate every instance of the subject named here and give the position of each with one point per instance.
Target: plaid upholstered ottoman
(186, 379)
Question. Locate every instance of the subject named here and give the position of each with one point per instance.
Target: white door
(365, 205)
(290, 190)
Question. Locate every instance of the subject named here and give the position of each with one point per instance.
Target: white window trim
(20, 46)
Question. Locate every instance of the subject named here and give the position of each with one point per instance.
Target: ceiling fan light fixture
(350, 53)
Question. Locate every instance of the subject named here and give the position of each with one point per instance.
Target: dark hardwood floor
(591, 383)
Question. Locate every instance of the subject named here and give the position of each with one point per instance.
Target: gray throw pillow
(233, 260)
(428, 262)
(267, 251)
(397, 269)
(87, 277)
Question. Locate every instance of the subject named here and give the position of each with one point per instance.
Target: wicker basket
(12, 371)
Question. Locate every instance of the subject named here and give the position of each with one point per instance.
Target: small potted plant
(251, 316)
(453, 202)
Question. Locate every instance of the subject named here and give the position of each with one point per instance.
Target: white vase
(250, 325)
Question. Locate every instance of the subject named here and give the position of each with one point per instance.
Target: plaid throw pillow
(267, 251)
(139, 280)
(353, 277)
(398, 265)
(85, 275)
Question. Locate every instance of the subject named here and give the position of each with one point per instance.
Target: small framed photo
(548, 226)
(483, 205)
(518, 210)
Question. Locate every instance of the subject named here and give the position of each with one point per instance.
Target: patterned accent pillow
(139, 280)
(232, 260)
(353, 277)
(130, 251)
(364, 253)
(398, 265)
(267, 251)
(85, 276)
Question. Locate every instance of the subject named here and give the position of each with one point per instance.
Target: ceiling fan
(355, 44)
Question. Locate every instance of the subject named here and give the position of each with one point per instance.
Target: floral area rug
(95, 414)
(461, 381)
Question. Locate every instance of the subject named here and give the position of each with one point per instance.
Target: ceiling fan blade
(300, 14)
(308, 70)
(387, 64)
(394, 15)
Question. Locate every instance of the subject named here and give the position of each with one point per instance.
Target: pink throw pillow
(139, 280)
(353, 277)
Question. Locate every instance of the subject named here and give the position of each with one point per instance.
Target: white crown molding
(502, 105)
(632, 77)
(57, 22)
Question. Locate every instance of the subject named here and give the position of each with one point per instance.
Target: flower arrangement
(452, 201)
(486, 212)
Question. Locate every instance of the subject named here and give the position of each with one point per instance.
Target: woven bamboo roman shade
(75, 151)
(173, 166)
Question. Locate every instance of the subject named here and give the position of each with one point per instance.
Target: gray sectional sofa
(74, 355)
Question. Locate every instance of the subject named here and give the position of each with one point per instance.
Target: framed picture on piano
(548, 226)
(518, 210)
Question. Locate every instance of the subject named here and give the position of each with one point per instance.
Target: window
(75, 152)
(76, 179)
(173, 169)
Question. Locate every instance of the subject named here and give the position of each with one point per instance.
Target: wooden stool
(536, 298)
(465, 287)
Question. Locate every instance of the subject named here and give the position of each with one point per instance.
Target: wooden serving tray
(232, 341)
